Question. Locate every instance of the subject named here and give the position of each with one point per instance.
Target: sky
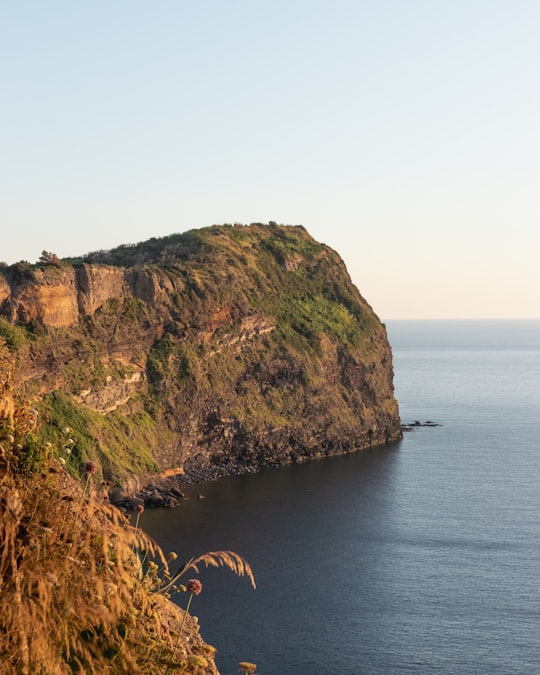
(404, 134)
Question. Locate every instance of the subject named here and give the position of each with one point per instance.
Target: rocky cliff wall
(56, 296)
(224, 349)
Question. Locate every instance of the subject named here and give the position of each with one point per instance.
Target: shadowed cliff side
(219, 350)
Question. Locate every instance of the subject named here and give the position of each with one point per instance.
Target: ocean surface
(419, 557)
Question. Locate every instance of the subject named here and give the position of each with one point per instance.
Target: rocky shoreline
(165, 491)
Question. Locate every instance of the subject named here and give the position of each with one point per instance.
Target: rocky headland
(220, 350)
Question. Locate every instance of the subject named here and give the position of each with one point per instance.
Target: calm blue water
(421, 557)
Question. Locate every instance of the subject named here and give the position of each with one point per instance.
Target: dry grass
(223, 559)
(76, 595)
(72, 597)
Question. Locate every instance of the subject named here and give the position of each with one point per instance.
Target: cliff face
(228, 349)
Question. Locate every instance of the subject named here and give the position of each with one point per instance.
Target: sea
(422, 556)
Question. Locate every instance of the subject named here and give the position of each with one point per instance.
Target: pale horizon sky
(405, 135)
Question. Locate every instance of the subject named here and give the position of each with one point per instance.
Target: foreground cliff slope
(82, 589)
(224, 349)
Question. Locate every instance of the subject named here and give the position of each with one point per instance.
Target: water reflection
(311, 533)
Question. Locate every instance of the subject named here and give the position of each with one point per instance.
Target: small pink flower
(139, 508)
(194, 586)
(90, 467)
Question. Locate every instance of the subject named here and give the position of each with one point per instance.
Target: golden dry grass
(223, 559)
(72, 598)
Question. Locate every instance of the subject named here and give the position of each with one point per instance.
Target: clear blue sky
(405, 134)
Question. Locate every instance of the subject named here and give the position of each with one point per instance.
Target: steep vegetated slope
(224, 349)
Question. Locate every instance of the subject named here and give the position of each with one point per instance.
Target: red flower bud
(194, 586)
(90, 467)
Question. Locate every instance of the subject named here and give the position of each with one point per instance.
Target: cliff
(224, 349)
